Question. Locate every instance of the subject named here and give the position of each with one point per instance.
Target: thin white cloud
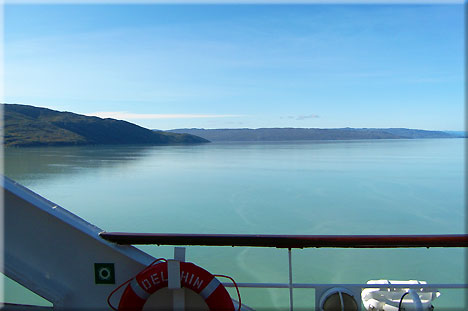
(310, 116)
(123, 115)
(304, 117)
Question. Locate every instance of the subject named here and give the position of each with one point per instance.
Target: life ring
(154, 278)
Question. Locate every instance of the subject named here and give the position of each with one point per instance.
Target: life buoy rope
(155, 277)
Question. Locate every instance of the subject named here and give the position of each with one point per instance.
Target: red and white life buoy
(192, 277)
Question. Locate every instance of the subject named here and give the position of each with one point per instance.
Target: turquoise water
(331, 187)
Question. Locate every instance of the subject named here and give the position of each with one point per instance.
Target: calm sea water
(330, 187)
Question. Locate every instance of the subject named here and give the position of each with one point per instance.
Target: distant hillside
(459, 134)
(32, 126)
(284, 134)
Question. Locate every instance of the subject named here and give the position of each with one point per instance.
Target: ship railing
(301, 241)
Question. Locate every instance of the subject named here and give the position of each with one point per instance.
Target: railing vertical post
(178, 294)
(290, 281)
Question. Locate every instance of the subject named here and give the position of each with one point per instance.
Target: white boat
(75, 265)
(394, 299)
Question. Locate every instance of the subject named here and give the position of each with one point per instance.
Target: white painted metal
(387, 298)
(179, 253)
(178, 299)
(173, 274)
(291, 304)
(416, 300)
(52, 252)
(178, 295)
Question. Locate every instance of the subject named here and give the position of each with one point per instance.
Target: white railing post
(173, 271)
(290, 281)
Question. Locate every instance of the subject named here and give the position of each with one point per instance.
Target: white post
(290, 281)
(179, 253)
(173, 267)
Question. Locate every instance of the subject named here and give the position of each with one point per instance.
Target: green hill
(33, 126)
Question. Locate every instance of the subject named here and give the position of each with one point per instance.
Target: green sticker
(104, 273)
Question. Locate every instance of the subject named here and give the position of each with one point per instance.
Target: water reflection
(45, 162)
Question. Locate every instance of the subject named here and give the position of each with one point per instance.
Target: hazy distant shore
(286, 134)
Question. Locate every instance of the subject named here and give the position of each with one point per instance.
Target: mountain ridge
(284, 134)
(26, 125)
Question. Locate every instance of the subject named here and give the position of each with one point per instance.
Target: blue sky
(232, 66)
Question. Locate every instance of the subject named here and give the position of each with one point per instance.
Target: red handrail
(289, 241)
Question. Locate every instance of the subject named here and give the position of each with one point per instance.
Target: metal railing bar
(312, 285)
(289, 241)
